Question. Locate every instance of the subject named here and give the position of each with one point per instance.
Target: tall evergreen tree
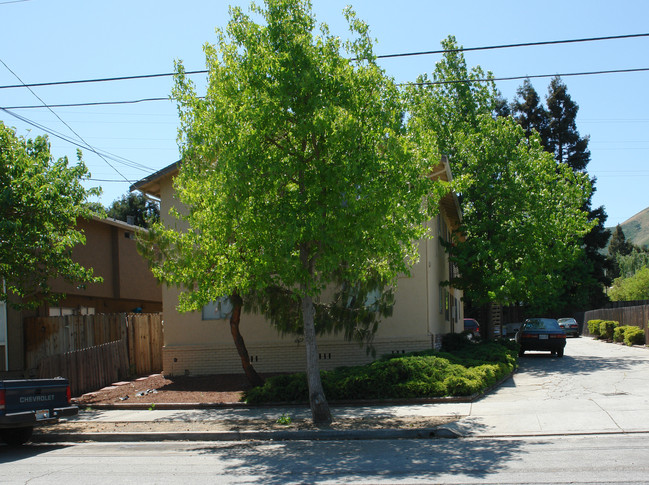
(529, 112)
(557, 129)
(619, 244)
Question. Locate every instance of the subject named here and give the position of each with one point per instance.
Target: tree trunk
(319, 407)
(251, 374)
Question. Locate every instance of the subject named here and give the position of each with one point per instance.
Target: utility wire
(68, 126)
(123, 161)
(426, 83)
(387, 56)
(507, 46)
(536, 76)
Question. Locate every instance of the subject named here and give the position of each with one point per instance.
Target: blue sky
(58, 40)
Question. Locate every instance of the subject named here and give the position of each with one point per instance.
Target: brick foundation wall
(203, 360)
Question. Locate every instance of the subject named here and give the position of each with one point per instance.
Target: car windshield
(542, 324)
(567, 320)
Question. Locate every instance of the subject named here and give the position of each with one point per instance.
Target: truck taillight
(68, 394)
(2, 399)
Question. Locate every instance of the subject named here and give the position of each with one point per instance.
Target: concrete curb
(303, 435)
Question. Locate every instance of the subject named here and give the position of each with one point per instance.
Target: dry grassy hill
(636, 229)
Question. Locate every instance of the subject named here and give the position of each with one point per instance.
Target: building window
(220, 309)
(65, 311)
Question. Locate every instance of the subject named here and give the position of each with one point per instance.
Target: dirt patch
(204, 390)
(215, 389)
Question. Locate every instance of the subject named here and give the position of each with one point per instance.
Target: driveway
(597, 387)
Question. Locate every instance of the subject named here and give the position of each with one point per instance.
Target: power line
(536, 76)
(426, 83)
(91, 148)
(116, 158)
(386, 56)
(507, 46)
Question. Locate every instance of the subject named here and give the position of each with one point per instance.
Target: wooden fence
(93, 351)
(88, 369)
(637, 316)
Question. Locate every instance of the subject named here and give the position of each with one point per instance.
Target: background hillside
(636, 229)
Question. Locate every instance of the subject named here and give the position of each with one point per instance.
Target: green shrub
(593, 327)
(634, 336)
(455, 341)
(473, 368)
(606, 329)
(618, 333)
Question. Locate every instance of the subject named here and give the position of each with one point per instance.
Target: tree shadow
(10, 454)
(542, 363)
(312, 461)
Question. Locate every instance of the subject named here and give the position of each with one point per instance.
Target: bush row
(629, 334)
(467, 369)
(612, 330)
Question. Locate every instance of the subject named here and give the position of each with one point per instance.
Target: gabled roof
(151, 184)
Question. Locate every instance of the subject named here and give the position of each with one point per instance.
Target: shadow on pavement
(303, 462)
(10, 454)
(542, 363)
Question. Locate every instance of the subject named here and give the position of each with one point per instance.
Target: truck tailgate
(39, 399)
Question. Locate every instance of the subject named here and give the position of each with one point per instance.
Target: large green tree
(297, 171)
(40, 202)
(556, 124)
(136, 206)
(522, 215)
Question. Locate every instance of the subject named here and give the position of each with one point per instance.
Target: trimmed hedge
(602, 329)
(629, 334)
(470, 369)
(593, 327)
(607, 328)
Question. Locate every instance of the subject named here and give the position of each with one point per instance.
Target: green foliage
(284, 419)
(629, 334)
(585, 278)
(618, 244)
(469, 370)
(618, 333)
(630, 289)
(297, 170)
(634, 336)
(40, 202)
(455, 341)
(593, 327)
(142, 210)
(607, 328)
(523, 216)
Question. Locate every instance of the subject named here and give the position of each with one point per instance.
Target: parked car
(541, 334)
(570, 326)
(471, 325)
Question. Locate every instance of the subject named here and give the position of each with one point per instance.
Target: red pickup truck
(27, 403)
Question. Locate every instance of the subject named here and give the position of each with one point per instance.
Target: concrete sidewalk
(596, 388)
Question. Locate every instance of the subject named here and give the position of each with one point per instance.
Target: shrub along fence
(635, 316)
(93, 351)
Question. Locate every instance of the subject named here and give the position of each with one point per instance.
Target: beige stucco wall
(195, 346)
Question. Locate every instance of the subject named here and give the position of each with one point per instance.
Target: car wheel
(16, 436)
(560, 353)
(521, 352)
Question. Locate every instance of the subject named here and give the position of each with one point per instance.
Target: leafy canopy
(40, 202)
(522, 212)
(142, 210)
(297, 171)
